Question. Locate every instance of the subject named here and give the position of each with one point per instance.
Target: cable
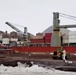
(67, 16)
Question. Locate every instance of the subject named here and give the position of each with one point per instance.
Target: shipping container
(13, 43)
(47, 37)
(20, 42)
(48, 34)
(5, 41)
(47, 40)
(37, 40)
(14, 39)
(70, 39)
(66, 39)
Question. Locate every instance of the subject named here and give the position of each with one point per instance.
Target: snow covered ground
(21, 69)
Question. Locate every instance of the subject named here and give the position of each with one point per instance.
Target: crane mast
(56, 37)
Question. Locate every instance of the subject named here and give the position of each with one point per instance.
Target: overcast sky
(36, 15)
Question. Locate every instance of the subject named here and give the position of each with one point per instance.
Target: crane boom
(16, 29)
(20, 32)
(68, 26)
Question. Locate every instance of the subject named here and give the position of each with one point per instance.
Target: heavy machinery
(56, 37)
(24, 34)
(57, 54)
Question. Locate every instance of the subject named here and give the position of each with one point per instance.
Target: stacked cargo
(37, 39)
(48, 37)
(13, 39)
(70, 39)
(6, 38)
(5, 41)
(66, 39)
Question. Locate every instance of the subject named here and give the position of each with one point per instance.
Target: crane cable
(67, 16)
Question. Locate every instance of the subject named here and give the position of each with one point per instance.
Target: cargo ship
(40, 46)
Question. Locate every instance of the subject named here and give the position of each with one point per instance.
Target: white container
(0, 36)
(14, 39)
(5, 41)
(66, 39)
(72, 37)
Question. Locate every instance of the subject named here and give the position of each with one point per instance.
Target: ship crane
(24, 34)
(56, 38)
(16, 29)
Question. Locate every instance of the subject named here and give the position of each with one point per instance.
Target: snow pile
(21, 69)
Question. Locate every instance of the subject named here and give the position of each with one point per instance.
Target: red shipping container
(47, 40)
(47, 37)
(48, 34)
(37, 40)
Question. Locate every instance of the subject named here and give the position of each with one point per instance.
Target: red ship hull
(69, 49)
(36, 50)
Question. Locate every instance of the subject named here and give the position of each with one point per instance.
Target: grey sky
(36, 15)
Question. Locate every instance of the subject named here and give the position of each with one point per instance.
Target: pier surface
(69, 65)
